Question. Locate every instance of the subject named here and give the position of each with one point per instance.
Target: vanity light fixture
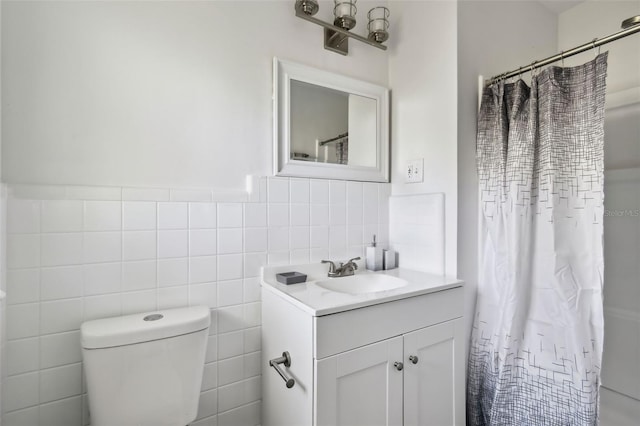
(337, 35)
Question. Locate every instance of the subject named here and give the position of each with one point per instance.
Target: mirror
(329, 126)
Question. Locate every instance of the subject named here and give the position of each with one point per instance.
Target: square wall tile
(319, 191)
(278, 190)
(229, 215)
(22, 356)
(319, 215)
(60, 316)
(202, 269)
(22, 321)
(23, 286)
(278, 215)
(21, 391)
(138, 215)
(230, 292)
(62, 216)
(210, 376)
(139, 301)
(354, 214)
(139, 245)
(173, 297)
(278, 258)
(105, 306)
(139, 275)
(255, 215)
(102, 278)
(202, 242)
(207, 404)
(299, 190)
(202, 215)
(230, 267)
(60, 382)
(65, 412)
(300, 214)
(278, 239)
(61, 282)
(252, 339)
(23, 216)
(102, 215)
(60, 349)
(299, 238)
(255, 240)
(230, 344)
(299, 256)
(23, 250)
(172, 272)
(337, 192)
(203, 294)
(172, 216)
(319, 237)
(251, 289)
(338, 214)
(102, 247)
(230, 241)
(230, 318)
(62, 249)
(253, 262)
(230, 370)
(173, 244)
(354, 193)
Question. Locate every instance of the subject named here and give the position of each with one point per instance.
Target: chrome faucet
(344, 270)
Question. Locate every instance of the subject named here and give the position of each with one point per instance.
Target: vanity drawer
(358, 327)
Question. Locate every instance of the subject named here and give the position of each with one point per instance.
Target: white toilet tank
(145, 369)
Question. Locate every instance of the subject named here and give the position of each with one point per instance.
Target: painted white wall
(422, 64)
(153, 93)
(493, 37)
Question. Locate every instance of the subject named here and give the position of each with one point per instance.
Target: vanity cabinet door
(434, 382)
(361, 386)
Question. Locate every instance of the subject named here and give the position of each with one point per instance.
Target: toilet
(145, 369)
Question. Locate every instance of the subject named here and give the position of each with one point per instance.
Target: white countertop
(319, 301)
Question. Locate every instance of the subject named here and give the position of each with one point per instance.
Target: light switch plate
(414, 171)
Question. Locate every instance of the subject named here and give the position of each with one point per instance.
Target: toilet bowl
(145, 369)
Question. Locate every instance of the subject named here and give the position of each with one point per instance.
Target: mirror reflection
(331, 126)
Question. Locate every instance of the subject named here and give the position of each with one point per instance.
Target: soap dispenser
(374, 256)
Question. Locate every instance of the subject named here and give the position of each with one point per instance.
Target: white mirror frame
(283, 165)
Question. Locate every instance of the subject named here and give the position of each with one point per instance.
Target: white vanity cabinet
(400, 362)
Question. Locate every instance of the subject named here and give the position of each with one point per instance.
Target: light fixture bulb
(378, 25)
(308, 7)
(344, 12)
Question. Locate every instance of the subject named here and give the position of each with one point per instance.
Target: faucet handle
(332, 266)
(351, 261)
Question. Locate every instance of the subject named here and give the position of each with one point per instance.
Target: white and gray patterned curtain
(537, 337)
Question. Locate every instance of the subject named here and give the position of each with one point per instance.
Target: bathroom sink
(362, 284)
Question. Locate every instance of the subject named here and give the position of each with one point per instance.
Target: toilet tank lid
(145, 327)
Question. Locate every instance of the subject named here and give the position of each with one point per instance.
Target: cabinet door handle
(398, 365)
(413, 359)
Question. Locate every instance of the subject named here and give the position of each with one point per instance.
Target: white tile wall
(79, 253)
(416, 231)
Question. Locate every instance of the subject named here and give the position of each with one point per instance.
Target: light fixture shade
(344, 12)
(308, 7)
(378, 25)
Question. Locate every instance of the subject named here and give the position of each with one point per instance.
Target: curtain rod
(326, 141)
(631, 26)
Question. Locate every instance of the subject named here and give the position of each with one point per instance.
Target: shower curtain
(537, 337)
